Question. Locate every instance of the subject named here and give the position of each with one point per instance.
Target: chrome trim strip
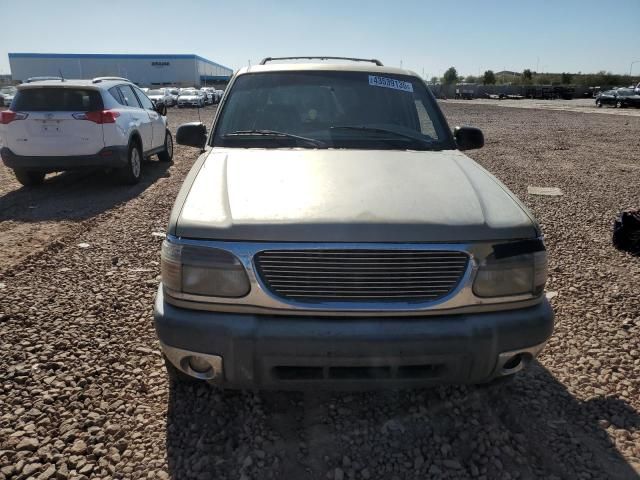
(261, 300)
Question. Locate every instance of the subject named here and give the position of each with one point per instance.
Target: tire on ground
(132, 172)
(29, 178)
(166, 155)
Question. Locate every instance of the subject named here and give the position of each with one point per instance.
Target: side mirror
(468, 138)
(192, 134)
(160, 107)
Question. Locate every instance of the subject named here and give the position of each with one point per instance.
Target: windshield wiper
(363, 128)
(273, 133)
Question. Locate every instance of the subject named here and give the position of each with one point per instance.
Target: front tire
(167, 154)
(618, 104)
(598, 104)
(132, 172)
(29, 178)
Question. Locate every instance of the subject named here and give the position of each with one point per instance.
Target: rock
(79, 447)
(338, 474)
(31, 468)
(49, 472)
(365, 473)
(392, 426)
(28, 444)
(451, 464)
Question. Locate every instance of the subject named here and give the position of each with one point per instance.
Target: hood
(346, 196)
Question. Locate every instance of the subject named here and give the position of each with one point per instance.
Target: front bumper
(108, 157)
(300, 352)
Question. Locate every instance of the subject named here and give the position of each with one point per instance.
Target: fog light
(199, 364)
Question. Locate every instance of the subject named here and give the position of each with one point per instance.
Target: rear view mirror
(192, 134)
(468, 138)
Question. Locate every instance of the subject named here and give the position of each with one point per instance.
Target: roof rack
(102, 79)
(372, 60)
(43, 78)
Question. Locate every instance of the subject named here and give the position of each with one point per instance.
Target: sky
(422, 35)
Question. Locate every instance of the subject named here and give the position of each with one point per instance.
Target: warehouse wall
(145, 70)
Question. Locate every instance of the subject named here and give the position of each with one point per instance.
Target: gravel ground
(83, 393)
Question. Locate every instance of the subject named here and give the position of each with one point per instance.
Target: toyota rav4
(56, 125)
(332, 234)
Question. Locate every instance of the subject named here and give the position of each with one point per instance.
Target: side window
(115, 93)
(144, 100)
(129, 97)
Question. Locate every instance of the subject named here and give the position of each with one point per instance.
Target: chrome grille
(361, 275)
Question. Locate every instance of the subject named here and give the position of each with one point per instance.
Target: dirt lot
(83, 393)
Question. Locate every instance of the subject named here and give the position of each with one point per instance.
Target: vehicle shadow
(75, 195)
(531, 427)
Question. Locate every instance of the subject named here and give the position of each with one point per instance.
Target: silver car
(334, 234)
(161, 95)
(191, 98)
(6, 95)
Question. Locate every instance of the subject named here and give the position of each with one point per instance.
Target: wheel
(618, 104)
(131, 173)
(167, 154)
(598, 104)
(176, 375)
(29, 178)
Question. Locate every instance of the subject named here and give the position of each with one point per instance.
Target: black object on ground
(626, 231)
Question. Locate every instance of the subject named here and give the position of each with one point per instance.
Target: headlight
(509, 271)
(202, 271)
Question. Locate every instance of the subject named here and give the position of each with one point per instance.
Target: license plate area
(51, 128)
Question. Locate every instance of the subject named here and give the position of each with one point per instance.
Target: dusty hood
(346, 196)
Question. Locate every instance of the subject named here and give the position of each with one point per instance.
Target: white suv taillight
(98, 116)
(9, 116)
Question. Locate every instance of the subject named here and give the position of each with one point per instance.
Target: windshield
(155, 92)
(338, 109)
(188, 92)
(10, 90)
(625, 93)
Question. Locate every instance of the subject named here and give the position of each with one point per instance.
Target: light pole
(631, 66)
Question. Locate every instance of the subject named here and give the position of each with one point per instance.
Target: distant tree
(434, 80)
(489, 78)
(566, 78)
(450, 76)
(471, 79)
(527, 74)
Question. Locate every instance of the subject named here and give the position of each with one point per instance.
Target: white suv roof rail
(102, 79)
(372, 60)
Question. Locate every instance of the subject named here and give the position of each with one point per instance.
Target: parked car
(191, 98)
(208, 95)
(6, 95)
(161, 95)
(174, 92)
(334, 234)
(620, 98)
(637, 89)
(72, 124)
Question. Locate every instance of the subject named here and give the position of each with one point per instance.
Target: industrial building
(144, 70)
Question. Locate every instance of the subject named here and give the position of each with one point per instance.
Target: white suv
(58, 125)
